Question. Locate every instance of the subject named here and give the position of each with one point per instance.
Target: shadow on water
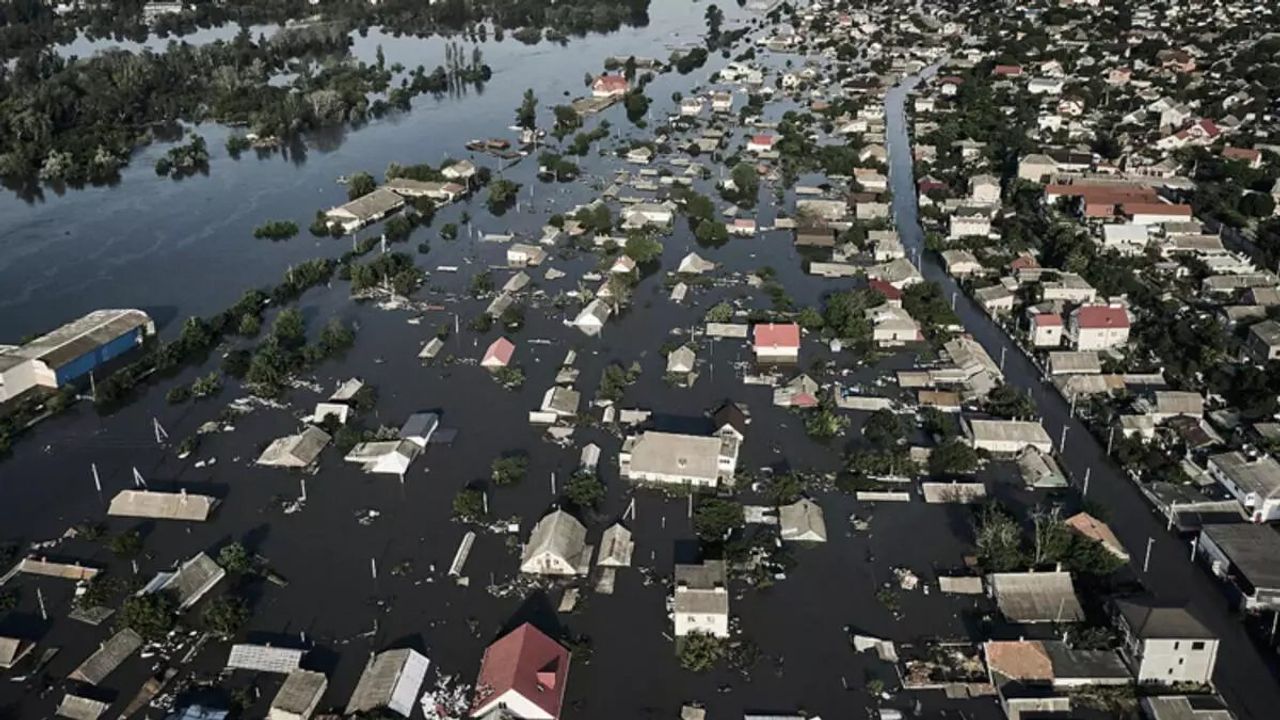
(536, 610)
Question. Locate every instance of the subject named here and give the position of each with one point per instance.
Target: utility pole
(1087, 472)
(1110, 437)
(1062, 440)
(1003, 349)
(1146, 561)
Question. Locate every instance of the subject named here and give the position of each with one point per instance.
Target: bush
(151, 615)
(699, 652)
(584, 489)
(468, 505)
(276, 230)
(509, 470)
(225, 616)
(715, 518)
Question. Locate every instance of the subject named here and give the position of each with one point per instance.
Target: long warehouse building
(72, 351)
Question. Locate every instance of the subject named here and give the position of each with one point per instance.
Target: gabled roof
(500, 351)
(525, 661)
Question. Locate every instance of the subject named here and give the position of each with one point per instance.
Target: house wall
(18, 379)
(1100, 338)
(1176, 661)
(516, 705)
(1047, 336)
(776, 353)
(715, 624)
(546, 563)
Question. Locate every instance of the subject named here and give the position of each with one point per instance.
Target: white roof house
(673, 458)
(694, 264)
(681, 360)
(264, 658)
(802, 521)
(162, 505)
(701, 602)
(295, 451)
(593, 317)
(557, 546)
(391, 680)
(616, 547)
(388, 457)
(562, 401)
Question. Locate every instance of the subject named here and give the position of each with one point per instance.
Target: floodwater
(184, 248)
(181, 248)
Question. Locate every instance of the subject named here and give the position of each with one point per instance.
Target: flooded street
(1247, 673)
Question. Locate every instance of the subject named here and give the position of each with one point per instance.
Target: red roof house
(610, 86)
(499, 354)
(761, 142)
(524, 672)
(1007, 70)
(777, 341)
(891, 294)
(1093, 317)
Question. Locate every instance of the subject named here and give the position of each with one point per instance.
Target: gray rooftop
(382, 675)
(83, 335)
(1032, 597)
(80, 708)
(107, 658)
(1260, 475)
(300, 692)
(1162, 622)
(1252, 549)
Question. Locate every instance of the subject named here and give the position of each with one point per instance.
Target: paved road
(1246, 674)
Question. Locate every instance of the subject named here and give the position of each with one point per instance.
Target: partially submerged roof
(108, 657)
(560, 535)
(12, 650)
(616, 547)
(190, 582)
(1032, 597)
(295, 451)
(1018, 660)
(300, 693)
(80, 708)
(162, 505)
(383, 678)
(264, 658)
(528, 663)
(802, 521)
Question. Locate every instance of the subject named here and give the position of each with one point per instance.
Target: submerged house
(390, 681)
(677, 459)
(557, 546)
(364, 210)
(189, 582)
(701, 603)
(522, 675)
(295, 451)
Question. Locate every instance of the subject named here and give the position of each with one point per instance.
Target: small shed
(802, 521)
(264, 658)
(391, 680)
(616, 547)
(298, 696)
